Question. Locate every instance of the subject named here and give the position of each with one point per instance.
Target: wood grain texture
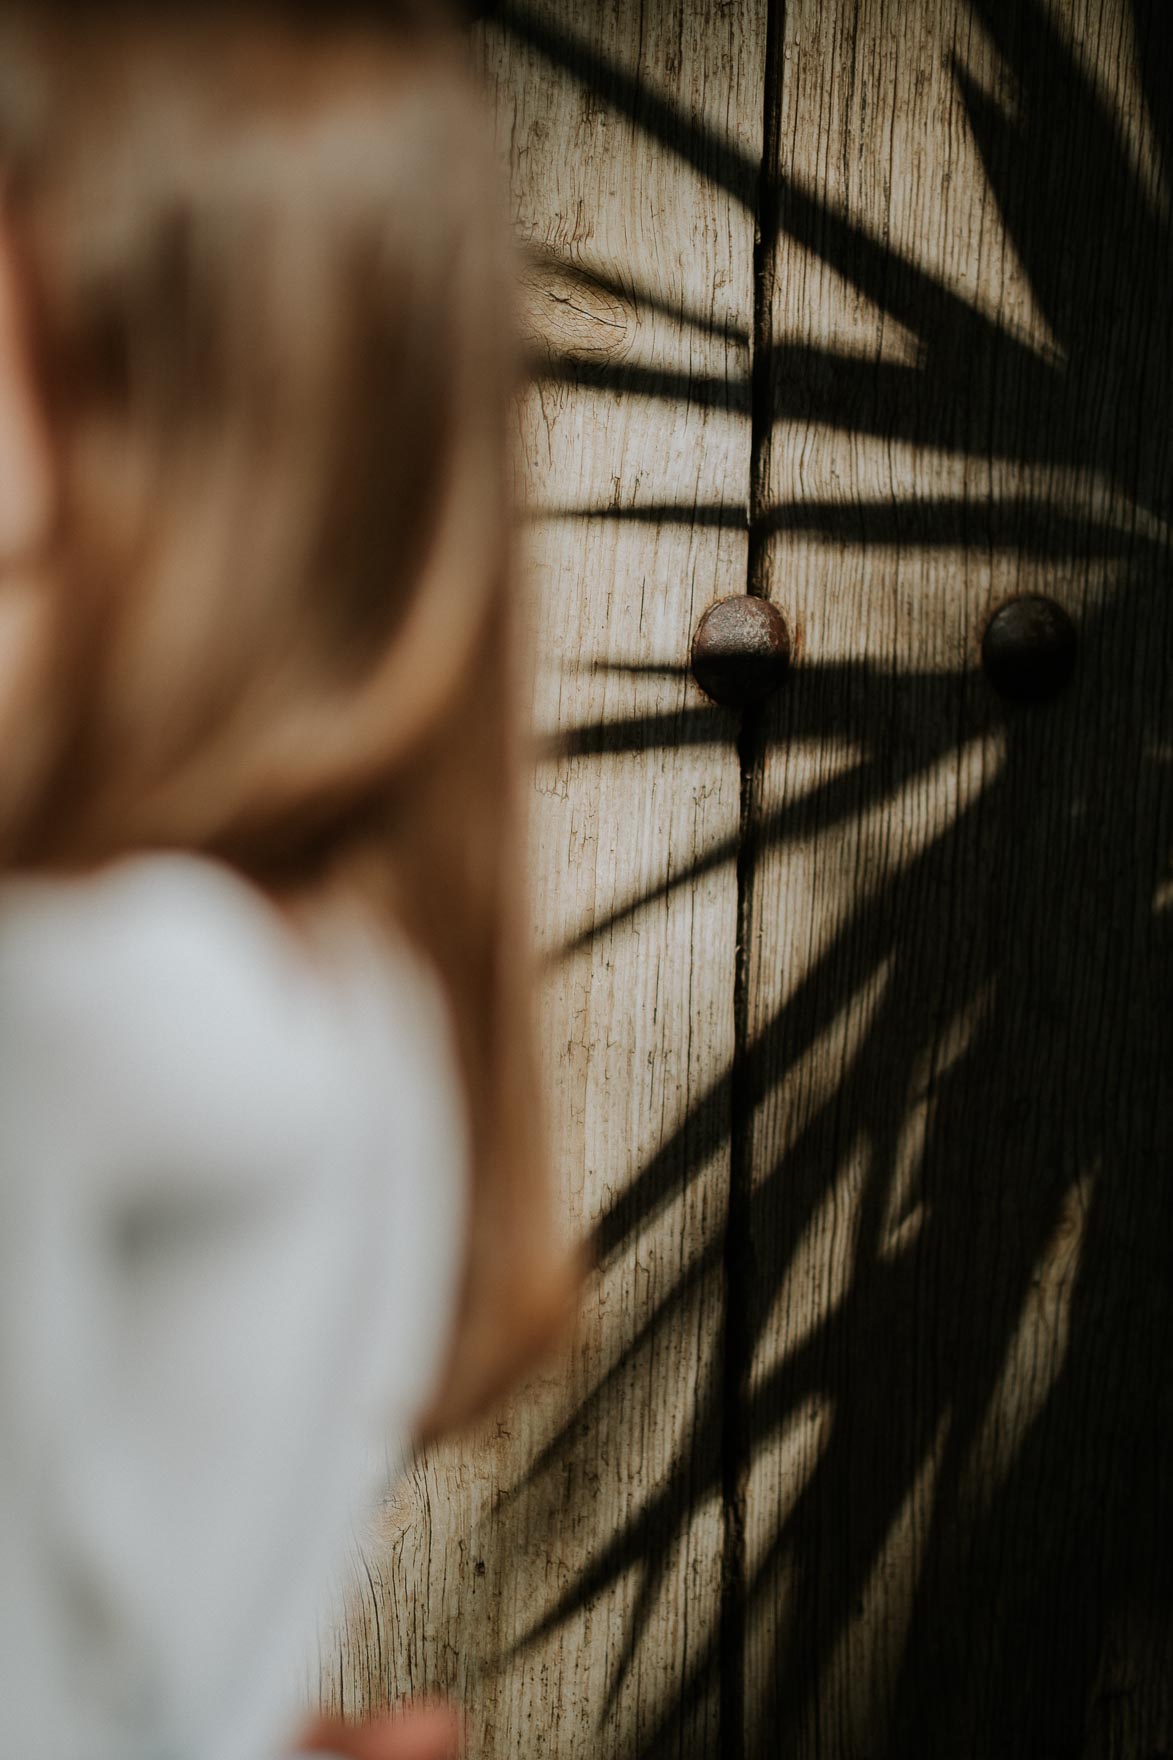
(559, 1574)
(960, 1406)
(926, 1515)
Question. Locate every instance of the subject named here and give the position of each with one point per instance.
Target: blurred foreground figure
(270, 1198)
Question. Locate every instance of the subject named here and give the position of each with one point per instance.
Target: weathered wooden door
(859, 1010)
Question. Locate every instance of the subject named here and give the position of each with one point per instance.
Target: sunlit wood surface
(554, 1573)
(866, 1444)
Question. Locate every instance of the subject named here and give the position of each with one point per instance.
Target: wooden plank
(958, 1521)
(559, 1573)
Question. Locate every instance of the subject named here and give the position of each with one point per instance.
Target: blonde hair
(271, 331)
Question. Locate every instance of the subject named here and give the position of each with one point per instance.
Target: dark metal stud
(741, 651)
(1028, 649)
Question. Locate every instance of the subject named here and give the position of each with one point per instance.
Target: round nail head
(1028, 650)
(741, 651)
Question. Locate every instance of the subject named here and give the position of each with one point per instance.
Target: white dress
(232, 1204)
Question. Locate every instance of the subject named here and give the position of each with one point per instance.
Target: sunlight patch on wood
(784, 1462)
(1114, 71)
(818, 1279)
(1036, 1354)
(935, 213)
(935, 539)
(634, 862)
(826, 467)
(905, 1212)
(664, 58)
(826, 875)
(925, 809)
(589, 447)
(843, 316)
(570, 312)
(861, 1674)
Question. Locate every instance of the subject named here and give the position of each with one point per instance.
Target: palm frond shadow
(1036, 913)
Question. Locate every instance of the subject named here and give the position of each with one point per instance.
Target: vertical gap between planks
(738, 1249)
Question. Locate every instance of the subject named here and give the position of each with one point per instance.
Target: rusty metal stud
(741, 651)
(1028, 649)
